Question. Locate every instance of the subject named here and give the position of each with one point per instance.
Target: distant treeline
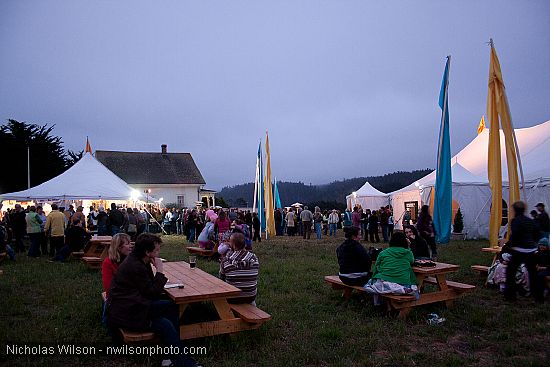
(327, 196)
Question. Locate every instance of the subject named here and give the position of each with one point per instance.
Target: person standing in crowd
(318, 222)
(356, 216)
(333, 219)
(325, 223)
(192, 221)
(522, 245)
(18, 226)
(407, 218)
(290, 222)
(353, 259)
(346, 220)
(278, 222)
(221, 224)
(132, 223)
(55, 227)
(102, 222)
(34, 231)
(257, 230)
(425, 228)
(79, 215)
(384, 223)
(543, 221)
(43, 238)
(116, 219)
(307, 217)
(391, 223)
(92, 219)
(68, 215)
(373, 227)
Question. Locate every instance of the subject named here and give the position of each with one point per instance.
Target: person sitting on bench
(134, 298)
(392, 273)
(354, 261)
(240, 268)
(118, 251)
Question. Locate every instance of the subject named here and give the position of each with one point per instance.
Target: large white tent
(368, 197)
(470, 185)
(87, 179)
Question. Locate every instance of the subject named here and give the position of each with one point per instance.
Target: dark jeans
(374, 234)
(257, 235)
(43, 243)
(19, 246)
(102, 230)
(290, 231)
(530, 261)
(191, 237)
(431, 242)
(355, 281)
(56, 244)
(164, 316)
(306, 229)
(385, 233)
(34, 250)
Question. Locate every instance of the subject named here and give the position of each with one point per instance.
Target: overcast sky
(345, 88)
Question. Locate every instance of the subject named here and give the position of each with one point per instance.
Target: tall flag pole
(88, 147)
(499, 110)
(277, 198)
(269, 210)
(256, 183)
(443, 182)
(260, 201)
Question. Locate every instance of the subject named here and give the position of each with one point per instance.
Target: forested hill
(327, 195)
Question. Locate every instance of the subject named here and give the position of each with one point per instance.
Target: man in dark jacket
(355, 263)
(116, 219)
(522, 245)
(543, 220)
(134, 302)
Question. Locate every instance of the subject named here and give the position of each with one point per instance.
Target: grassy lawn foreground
(52, 304)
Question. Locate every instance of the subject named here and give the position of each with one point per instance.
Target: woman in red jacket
(119, 249)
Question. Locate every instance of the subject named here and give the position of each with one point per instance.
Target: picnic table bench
(447, 291)
(199, 287)
(95, 251)
(202, 252)
(482, 269)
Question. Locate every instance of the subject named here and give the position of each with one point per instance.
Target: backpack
(347, 219)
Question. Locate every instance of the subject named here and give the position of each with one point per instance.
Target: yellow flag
(497, 108)
(268, 194)
(481, 125)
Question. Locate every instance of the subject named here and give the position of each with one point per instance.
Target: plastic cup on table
(192, 262)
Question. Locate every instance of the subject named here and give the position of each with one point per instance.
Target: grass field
(46, 304)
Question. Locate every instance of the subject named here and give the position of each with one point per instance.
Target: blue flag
(277, 198)
(443, 181)
(261, 214)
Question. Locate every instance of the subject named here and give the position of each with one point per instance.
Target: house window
(181, 201)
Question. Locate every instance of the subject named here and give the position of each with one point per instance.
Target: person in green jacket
(34, 230)
(392, 272)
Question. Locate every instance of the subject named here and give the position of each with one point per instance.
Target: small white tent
(368, 197)
(87, 179)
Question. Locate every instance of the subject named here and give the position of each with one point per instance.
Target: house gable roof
(152, 168)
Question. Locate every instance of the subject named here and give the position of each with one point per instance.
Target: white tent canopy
(87, 179)
(368, 197)
(470, 185)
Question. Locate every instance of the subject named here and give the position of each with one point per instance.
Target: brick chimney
(163, 148)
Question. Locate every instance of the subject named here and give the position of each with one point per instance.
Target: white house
(174, 177)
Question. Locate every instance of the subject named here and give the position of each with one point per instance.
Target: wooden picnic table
(200, 286)
(95, 251)
(447, 291)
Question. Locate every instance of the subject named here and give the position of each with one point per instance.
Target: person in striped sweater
(240, 268)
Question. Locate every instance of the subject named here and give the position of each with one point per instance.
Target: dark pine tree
(458, 223)
(47, 156)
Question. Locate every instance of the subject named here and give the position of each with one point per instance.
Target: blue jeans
(332, 229)
(165, 323)
(34, 250)
(385, 233)
(191, 235)
(318, 230)
(115, 230)
(102, 230)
